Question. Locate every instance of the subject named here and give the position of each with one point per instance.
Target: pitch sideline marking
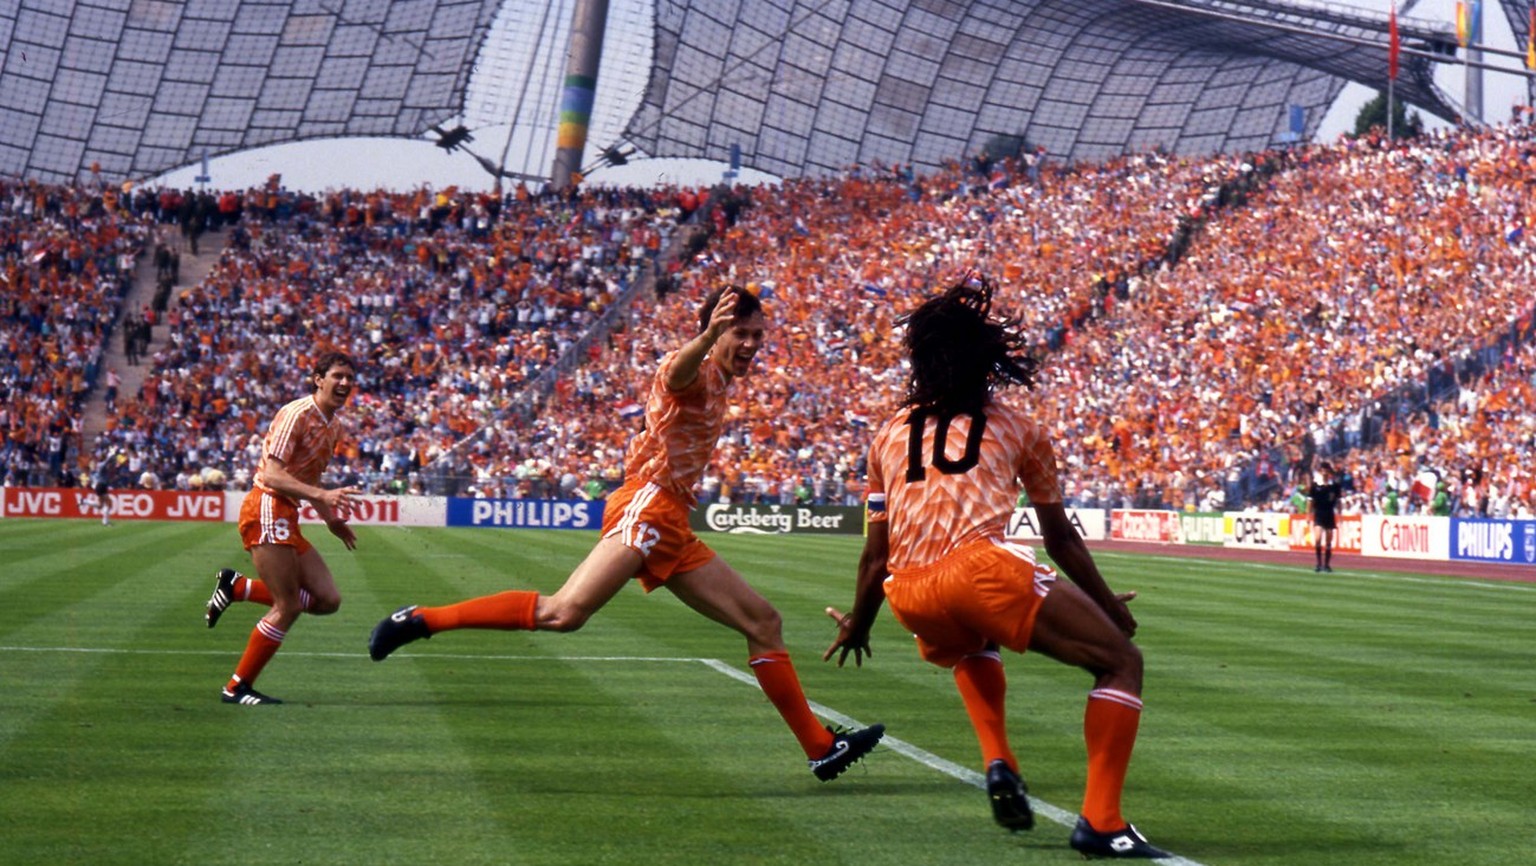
(899, 746)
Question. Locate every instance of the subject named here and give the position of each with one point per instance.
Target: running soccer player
(293, 575)
(646, 535)
(944, 475)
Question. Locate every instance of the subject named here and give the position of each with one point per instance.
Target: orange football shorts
(988, 591)
(654, 522)
(266, 518)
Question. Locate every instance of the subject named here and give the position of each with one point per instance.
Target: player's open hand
(724, 313)
(848, 640)
(1120, 612)
(341, 500)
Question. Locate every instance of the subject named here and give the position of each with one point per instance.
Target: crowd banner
(526, 513)
(1507, 542)
(1406, 537)
(1136, 524)
(1202, 527)
(1091, 524)
(768, 519)
(1346, 538)
(125, 504)
(1256, 530)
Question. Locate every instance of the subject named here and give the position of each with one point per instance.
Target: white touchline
(900, 747)
(928, 759)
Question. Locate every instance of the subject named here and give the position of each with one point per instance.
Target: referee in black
(1323, 505)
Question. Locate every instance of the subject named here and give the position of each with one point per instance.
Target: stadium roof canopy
(802, 85)
(137, 87)
(140, 86)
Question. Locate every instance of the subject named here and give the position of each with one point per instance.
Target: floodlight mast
(588, 21)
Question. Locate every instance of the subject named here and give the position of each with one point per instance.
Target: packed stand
(67, 256)
(451, 303)
(1212, 375)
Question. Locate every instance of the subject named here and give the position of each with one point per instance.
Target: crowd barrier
(1415, 537)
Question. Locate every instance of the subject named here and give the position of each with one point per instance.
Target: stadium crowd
(67, 256)
(451, 301)
(1211, 327)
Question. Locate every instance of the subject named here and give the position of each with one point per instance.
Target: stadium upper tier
(125, 91)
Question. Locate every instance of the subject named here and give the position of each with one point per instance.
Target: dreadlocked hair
(960, 352)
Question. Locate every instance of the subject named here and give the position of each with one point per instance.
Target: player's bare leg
(719, 592)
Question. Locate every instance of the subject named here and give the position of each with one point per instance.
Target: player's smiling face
(333, 389)
(739, 344)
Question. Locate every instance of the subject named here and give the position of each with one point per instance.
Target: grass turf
(1292, 718)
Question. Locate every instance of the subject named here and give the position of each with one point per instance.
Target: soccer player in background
(944, 474)
(293, 576)
(646, 535)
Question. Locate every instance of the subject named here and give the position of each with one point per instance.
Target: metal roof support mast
(588, 21)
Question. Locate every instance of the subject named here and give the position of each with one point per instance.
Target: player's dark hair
(325, 362)
(746, 304)
(960, 352)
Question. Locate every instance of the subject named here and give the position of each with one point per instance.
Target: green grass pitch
(1292, 718)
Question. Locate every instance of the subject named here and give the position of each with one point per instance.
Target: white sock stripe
(1117, 696)
(987, 654)
(305, 598)
(270, 631)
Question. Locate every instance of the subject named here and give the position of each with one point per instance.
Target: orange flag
(1395, 48)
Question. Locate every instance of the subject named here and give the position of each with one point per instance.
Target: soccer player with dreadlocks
(944, 475)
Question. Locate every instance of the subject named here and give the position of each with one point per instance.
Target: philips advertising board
(526, 513)
(1507, 542)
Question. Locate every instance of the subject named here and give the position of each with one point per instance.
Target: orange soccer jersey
(303, 438)
(944, 482)
(681, 428)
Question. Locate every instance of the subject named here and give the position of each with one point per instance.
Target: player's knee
(322, 605)
(1124, 666)
(563, 618)
(766, 628)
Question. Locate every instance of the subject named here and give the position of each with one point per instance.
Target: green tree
(1374, 113)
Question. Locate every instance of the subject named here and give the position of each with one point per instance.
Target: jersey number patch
(972, 455)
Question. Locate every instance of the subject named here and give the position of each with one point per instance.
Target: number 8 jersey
(945, 481)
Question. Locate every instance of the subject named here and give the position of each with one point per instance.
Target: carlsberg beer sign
(760, 518)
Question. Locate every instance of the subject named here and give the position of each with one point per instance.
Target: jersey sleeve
(874, 495)
(1037, 467)
(659, 384)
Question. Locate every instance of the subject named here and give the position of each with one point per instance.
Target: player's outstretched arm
(869, 594)
(1071, 555)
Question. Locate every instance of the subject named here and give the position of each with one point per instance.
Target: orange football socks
(263, 645)
(983, 687)
(776, 675)
(1109, 730)
(511, 610)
